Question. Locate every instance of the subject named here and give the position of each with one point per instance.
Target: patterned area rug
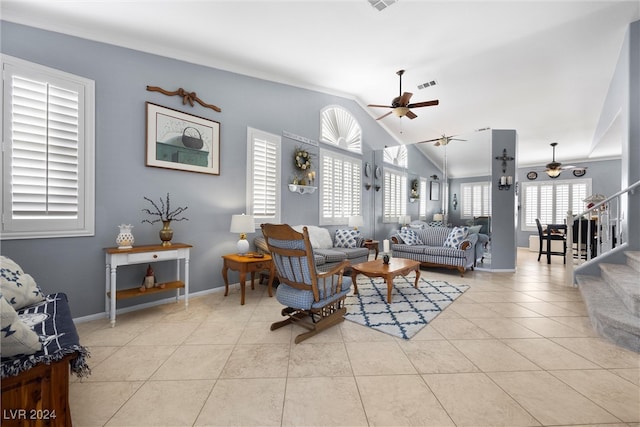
(411, 309)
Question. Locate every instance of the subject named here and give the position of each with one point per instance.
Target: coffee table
(376, 268)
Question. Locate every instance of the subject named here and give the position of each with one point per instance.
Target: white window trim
(84, 225)
(356, 188)
(253, 134)
(527, 185)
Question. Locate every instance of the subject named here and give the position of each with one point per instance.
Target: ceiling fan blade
(429, 140)
(411, 115)
(382, 106)
(384, 115)
(424, 104)
(404, 99)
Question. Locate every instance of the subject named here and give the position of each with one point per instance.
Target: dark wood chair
(313, 300)
(553, 232)
(584, 230)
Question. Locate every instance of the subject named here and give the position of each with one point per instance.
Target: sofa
(450, 247)
(346, 244)
(39, 347)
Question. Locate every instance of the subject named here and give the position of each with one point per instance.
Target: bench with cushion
(39, 347)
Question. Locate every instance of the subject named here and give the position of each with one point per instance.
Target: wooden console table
(142, 255)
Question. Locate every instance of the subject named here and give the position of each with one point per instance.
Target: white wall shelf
(302, 189)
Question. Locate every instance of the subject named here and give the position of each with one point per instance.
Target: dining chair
(547, 236)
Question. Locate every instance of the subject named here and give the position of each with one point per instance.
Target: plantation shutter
(341, 188)
(44, 134)
(423, 198)
(263, 179)
(550, 201)
(475, 200)
(395, 195)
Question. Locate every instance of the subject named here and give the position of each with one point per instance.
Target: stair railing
(607, 218)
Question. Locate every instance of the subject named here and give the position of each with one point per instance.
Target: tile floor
(515, 350)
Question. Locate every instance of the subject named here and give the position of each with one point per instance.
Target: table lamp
(438, 217)
(242, 224)
(356, 221)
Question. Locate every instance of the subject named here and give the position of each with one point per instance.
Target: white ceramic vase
(125, 237)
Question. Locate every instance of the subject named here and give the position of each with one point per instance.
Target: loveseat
(346, 244)
(446, 247)
(39, 347)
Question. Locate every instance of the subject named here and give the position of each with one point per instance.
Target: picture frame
(181, 141)
(434, 190)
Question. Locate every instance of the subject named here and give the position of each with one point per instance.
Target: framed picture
(435, 190)
(177, 140)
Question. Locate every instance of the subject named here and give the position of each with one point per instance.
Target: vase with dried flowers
(164, 214)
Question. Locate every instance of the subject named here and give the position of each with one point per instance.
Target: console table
(143, 255)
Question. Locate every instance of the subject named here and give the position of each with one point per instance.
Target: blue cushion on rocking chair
(303, 300)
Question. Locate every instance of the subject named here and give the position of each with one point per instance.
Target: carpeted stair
(613, 301)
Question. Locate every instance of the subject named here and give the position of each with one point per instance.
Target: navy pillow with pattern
(410, 237)
(346, 238)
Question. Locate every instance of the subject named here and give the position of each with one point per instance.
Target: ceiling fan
(443, 140)
(400, 105)
(553, 169)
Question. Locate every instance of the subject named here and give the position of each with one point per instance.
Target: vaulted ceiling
(540, 67)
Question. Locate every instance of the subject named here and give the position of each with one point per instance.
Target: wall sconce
(505, 182)
(455, 201)
(434, 177)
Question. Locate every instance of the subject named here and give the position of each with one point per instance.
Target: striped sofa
(325, 249)
(431, 252)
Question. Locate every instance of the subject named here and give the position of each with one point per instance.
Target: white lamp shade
(242, 224)
(405, 219)
(437, 217)
(356, 221)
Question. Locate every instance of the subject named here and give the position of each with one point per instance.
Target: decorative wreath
(302, 159)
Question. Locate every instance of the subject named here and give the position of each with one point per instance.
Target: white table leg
(186, 283)
(112, 311)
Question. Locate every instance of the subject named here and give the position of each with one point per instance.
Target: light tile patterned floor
(515, 350)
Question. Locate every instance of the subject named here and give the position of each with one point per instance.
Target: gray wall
(76, 265)
(503, 209)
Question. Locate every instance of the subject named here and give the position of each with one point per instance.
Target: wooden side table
(244, 264)
(372, 245)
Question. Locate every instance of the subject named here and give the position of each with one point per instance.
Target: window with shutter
(423, 199)
(340, 188)
(48, 167)
(550, 201)
(338, 127)
(395, 195)
(475, 199)
(263, 179)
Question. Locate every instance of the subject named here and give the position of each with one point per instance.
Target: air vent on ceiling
(382, 4)
(427, 84)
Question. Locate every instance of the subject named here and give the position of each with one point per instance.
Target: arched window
(338, 127)
(396, 155)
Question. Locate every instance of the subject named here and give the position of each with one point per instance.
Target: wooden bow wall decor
(189, 97)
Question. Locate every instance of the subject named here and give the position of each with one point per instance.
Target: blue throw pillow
(410, 237)
(346, 238)
(456, 237)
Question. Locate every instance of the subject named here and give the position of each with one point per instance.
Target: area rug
(410, 310)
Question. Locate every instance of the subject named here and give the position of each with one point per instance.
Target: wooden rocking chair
(313, 300)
